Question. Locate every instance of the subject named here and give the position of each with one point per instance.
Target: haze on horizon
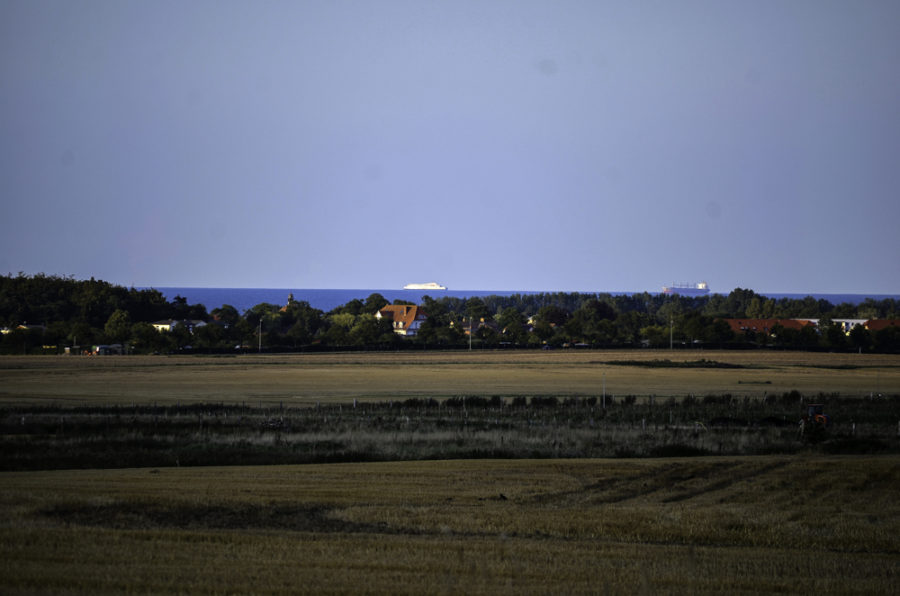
(502, 145)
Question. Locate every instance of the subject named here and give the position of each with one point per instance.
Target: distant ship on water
(432, 285)
(700, 289)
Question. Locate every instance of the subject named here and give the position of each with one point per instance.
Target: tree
(630, 325)
(860, 338)
(336, 335)
(374, 303)
(833, 337)
(542, 330)
(512, 325)
(367, 330)
(718, 332)
(887, 340)
(210, 337)
(118, 326)
(345, 320)
(301, 322)
(476, 309)
(487, 335)
(657, 336)
(226, 314)
(354, 307)
(553, 315)
(755, 308)
(146, 339)
(180, 336)
(592, 321)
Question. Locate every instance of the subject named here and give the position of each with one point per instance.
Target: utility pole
(259, 335)
(671, 330)
(603, 377)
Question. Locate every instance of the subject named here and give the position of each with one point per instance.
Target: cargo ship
(427, 286)
(700, 289)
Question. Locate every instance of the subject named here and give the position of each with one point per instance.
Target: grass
(57, 437)
(700, 525)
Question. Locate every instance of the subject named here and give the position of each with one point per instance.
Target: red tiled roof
(402, 315)
(879, 324)
(765, 325)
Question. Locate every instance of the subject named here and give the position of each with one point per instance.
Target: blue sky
(495, 145)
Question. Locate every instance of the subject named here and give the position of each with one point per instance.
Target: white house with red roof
(405, 318)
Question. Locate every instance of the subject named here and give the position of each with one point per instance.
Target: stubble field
(695, 526)
(805, 523)
(310, 378)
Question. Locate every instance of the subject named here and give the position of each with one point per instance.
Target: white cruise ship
(428, 286)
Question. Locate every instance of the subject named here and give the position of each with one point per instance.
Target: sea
(244, 299)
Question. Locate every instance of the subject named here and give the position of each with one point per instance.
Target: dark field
(708, 525)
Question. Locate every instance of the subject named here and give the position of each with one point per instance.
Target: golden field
(297, 379)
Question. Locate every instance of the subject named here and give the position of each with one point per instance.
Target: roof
(881, 324)
(403, 315)
(189, 323)
(766, 325)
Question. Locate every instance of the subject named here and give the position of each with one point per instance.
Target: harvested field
(796, 520)
(800, 525)
(305, 379)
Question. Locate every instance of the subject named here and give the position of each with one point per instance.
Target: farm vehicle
(815, 422)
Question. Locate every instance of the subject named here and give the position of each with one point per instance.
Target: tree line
(45, 313)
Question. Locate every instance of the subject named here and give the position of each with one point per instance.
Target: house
(167, 325)
(766, 325)
(22, 327)
(469, 326)
(881, 324)
(107, 350)
(845, 325)
(405, 318)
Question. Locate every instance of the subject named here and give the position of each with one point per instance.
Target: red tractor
(815, 421)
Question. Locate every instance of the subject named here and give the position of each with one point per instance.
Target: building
(405, 318)
(470, 326)
(107, 350)
(881, 324)
(167, 325)
(766, 325)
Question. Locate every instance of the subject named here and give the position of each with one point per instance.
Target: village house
(470, 326)
(167, 325)
(405, 318)
(22, 327)
(881, 324)
(107, 350)
(765, 326)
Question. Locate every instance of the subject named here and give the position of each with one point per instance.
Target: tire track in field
(705, 477)
(756, 470)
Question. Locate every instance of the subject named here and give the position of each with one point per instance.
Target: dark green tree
(226, 314)
(476, 310)
(860, 338)
(118, 326)
(374, 303)
(512, 325)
